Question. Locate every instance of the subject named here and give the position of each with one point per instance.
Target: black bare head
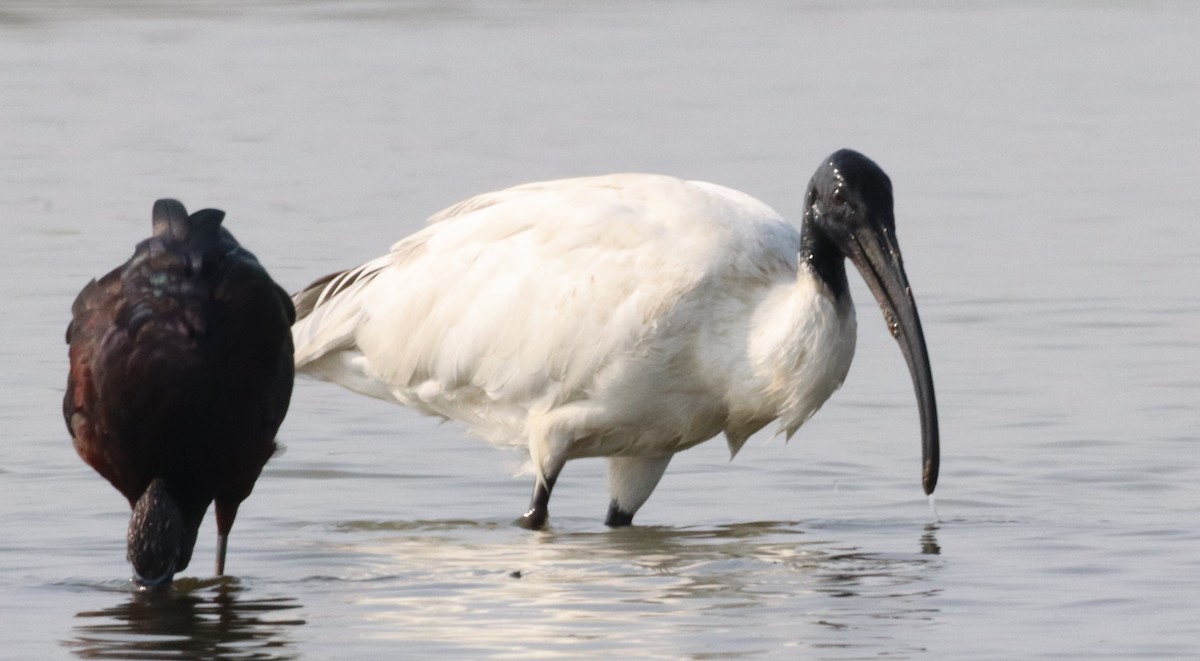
(848, 214)
(848, 193)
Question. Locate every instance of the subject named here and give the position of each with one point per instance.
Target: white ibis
(628, 316)
(181, 373)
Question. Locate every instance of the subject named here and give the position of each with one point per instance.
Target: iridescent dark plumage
(181, 373)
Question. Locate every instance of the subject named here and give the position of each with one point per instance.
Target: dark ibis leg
(616, 517)
(539, 505)
(631, 480)
(222, 546)
(226, 513)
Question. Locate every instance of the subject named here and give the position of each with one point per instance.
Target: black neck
(824, 258)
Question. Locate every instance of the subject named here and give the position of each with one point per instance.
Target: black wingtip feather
(171, 222)
(169, 219)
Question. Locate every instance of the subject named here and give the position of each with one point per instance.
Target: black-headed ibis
(628, 316)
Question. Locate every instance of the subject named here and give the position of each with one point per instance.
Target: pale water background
(1046, 160)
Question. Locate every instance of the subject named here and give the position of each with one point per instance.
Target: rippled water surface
(1045, 158)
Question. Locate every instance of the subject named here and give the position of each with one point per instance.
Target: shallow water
(1045, 163)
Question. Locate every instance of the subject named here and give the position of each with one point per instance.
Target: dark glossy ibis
(181, 373)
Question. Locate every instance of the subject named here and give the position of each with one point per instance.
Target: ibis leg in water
(539, 504)
(181, 373)
(628, 316)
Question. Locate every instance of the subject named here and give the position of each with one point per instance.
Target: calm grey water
(1045, 158)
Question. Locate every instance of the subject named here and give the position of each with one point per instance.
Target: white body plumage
(628, 316)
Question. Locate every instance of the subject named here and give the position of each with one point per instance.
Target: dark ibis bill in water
(883, 270)
(866, 234)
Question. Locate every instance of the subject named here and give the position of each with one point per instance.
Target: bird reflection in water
(195, 620)
(929, 543)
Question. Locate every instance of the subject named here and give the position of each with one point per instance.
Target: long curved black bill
(877, 256)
